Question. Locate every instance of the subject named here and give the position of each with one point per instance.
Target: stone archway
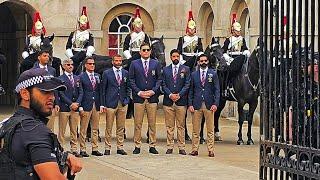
(16, 23)
(206, 18)
(124, 9)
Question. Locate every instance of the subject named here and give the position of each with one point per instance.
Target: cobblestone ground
(231, 161)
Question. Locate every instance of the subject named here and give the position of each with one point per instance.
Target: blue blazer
(139, 82)
(181, 86)
(90, 95)
(52, 71)
(71, 94)
(209, 94)
(111, 92)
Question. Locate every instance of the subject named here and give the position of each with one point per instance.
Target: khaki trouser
(196, 122)
(73, 119)
(175, 114)
(120, 114)
(139, 109)
(85, 117)
(52, 119)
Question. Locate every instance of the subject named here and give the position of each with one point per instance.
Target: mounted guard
(235, 53)
(133, 41)
(80, 42)
(33, 42)
(190, 45)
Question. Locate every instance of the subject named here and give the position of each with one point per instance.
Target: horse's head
(158, 48)
(46, 43)
(215, 55)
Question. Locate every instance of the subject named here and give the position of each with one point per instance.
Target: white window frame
(118, 33)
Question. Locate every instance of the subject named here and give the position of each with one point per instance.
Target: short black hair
(174, 51)
(87, 58)
(202, 55)
(144, 44)
(43, 51)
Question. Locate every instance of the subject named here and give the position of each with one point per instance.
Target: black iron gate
(290, 127)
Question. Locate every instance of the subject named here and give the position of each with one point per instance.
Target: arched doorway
(16, 23)
(116, 25)
(240, 8)
(206, 18)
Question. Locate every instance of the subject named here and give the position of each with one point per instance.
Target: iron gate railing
(290, 129)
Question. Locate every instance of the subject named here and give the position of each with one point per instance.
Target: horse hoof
(250, 142)
(217, 138)
(240, 142)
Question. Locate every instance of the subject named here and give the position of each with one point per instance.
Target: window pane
(124, 19)
(114, 26)
(124, 29)
(113, 41)
(113, 52)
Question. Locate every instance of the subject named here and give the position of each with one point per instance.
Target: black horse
(46, 44)
(245, 91)
(103, 63)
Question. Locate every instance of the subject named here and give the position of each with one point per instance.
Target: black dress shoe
(84, 154)
(136, 150)
(107, 152)
(202, 140)
(169, 151)
(153, 150)
(96, 153)
(76, 154)
(182, 152)
(121, 151)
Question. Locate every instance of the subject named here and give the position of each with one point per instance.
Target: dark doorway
(16, 24)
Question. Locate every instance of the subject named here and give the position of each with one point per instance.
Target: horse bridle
(255, 87)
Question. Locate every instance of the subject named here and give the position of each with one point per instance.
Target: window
(119, 28)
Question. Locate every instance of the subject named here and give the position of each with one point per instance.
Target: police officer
(80, 42)
(35, 150)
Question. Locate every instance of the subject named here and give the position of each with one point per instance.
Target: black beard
(175, 62)
(36, 107)
(204, 65)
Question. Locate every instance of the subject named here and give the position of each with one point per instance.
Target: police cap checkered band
(39, 78)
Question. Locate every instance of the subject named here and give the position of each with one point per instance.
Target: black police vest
(9, 169)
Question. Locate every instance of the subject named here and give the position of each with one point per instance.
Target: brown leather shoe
(169, 151)
(211, 154)
(194, 153)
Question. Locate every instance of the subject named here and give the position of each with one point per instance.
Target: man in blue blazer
(69, 104)
(204, 96)
(145, 80)
(43, 60)
(176, 83)
(90, 107)
(115, 94)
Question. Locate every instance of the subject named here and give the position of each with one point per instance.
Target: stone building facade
(109, 24)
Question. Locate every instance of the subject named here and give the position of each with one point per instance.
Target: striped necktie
(118, 77)
(175, 72)
(203, 78)
(146, 68)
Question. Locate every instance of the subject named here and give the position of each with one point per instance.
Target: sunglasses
(69, 64)
(146, 50)
(90, 63)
